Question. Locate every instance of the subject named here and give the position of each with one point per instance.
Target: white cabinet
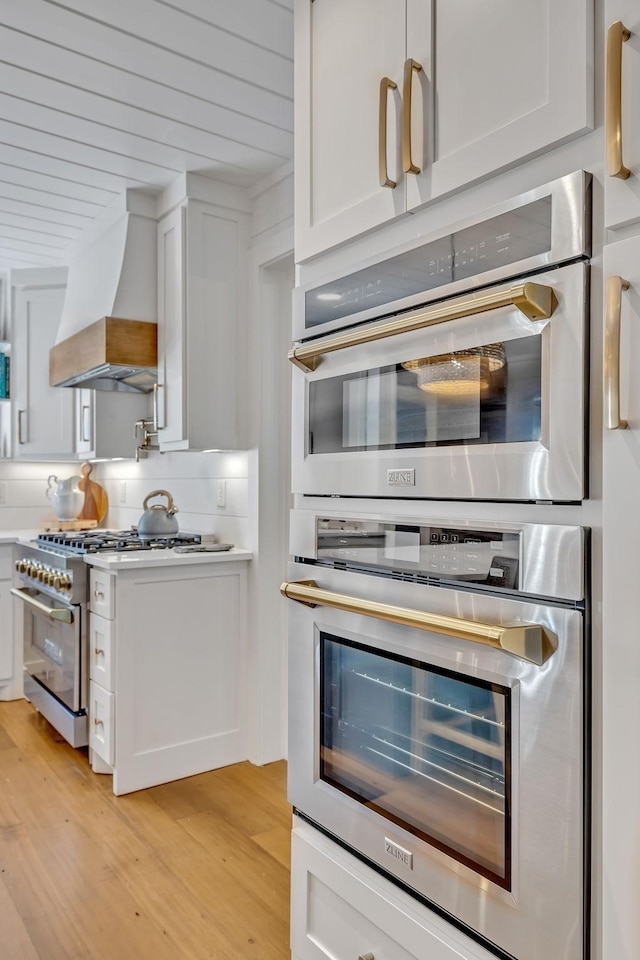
(476, 88)
(201, 251)
(43, 416)
(342, 910)
(167, 672)
(104, 422)
(622, 76)
(6, 614)
(621, 608)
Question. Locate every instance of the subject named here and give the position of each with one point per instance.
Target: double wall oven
(456, 368)
(439, 669)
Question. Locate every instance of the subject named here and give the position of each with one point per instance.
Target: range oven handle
(535, 300)
(528, 641)
(63, 614)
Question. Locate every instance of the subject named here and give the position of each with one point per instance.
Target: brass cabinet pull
(385, 85)
(535, 300)
(410, 66)
(98, 723)
(613, 315)
(366, 956)
(527, 641)
(53, 613)
(616, 36)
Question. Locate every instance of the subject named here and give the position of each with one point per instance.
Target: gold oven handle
(526, 640)
(63, 614)
(410, 66)
(616, 36)
(535, 300)
(613, 315)
(385, 85)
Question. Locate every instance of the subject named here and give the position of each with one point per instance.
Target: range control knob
(65, 582)
(49, 577)
(21, 566)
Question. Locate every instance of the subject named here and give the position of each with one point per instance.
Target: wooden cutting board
(96, 502)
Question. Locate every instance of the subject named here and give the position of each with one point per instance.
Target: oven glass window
(51, 655)
(488, 394)
(422, 747)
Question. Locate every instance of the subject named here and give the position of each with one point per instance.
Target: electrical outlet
(221, 494)
(3, 492)
(123, 491)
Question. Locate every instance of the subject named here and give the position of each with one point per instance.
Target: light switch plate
(221, 493)
(3, 492)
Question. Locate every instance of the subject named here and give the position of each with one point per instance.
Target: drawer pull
(98, 723)
(98, 595)
(98, 652)
(366, 956)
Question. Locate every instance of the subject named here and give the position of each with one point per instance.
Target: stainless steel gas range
(52, 585)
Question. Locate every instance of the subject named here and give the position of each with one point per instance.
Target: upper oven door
(477, 398)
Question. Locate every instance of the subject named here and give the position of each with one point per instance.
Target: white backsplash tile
(25, 485)
(192, 481)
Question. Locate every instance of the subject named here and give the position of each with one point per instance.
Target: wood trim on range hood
(111, 353)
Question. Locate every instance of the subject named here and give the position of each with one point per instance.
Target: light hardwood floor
(191, 870)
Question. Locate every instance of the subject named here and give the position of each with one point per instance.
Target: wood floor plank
(194, 870)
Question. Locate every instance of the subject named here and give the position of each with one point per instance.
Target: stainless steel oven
(437, 715)
(52, 597)
(454, 369)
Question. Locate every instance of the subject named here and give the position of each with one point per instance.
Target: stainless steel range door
(438, 733)
(55, 661)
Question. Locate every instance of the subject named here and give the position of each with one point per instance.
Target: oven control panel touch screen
(489, 558)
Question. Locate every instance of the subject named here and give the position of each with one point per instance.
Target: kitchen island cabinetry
(200, 268)
(43, 416)
(167, 650)
(471, 91)
(342, 909)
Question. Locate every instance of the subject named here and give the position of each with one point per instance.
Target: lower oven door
(52, 635)
(452, 763)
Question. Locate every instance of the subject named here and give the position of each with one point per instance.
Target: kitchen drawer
(102, 651)
(343, 910)
(102, 593)
(101, 717)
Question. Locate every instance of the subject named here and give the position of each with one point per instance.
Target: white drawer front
(101, 717)
(102, 593)
(102, 651)
(342, 910)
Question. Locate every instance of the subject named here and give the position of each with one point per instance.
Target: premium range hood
(107, 338)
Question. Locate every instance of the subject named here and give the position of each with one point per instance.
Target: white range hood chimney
(107, 334)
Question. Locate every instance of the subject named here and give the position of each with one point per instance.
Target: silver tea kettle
(158, 520)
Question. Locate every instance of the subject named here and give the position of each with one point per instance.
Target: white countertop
(137, 559)
(12, 536)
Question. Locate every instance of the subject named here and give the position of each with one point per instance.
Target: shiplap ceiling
(100, 95)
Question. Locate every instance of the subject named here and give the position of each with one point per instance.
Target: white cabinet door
(43, 415)
(622, 195)
(479, 88)
(511, 80)
(6, 631)
(201, 251)
(344, 48)
(621, 612)
(105, 422)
